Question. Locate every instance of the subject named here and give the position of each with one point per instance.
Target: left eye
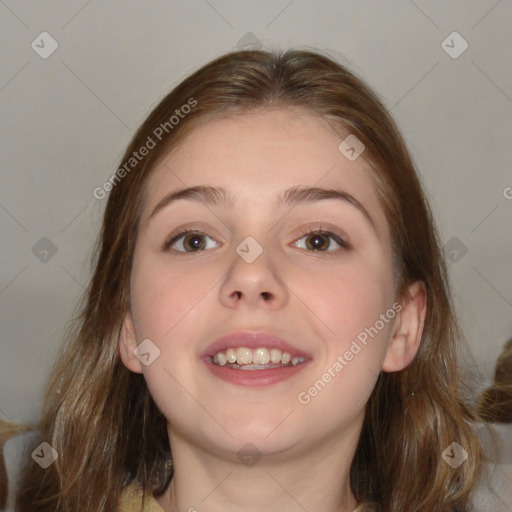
(318, 240)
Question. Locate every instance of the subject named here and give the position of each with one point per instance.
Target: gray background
(67, 119)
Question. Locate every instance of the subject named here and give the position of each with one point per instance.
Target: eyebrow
(219, 196)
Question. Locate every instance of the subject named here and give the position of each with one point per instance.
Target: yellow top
(132, 495)
(131, 499)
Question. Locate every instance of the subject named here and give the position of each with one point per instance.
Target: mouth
(262, 358)
(254, 359)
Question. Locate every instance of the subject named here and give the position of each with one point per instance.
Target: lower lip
(255, 378)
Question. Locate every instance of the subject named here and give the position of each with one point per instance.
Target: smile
(243, 358)
(254, 359)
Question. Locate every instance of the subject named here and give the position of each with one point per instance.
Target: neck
(315, 480)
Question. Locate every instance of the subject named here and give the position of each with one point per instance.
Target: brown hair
(100, 417)
(495, 403)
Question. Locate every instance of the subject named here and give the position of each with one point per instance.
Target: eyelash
(304, 232)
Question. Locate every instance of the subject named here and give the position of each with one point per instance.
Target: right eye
(184, 241)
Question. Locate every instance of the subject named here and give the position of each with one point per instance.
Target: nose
(254, 284)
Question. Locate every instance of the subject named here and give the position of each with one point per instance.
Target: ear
(407, 329)
(127, 344)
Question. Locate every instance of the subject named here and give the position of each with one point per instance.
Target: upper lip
(252, 340)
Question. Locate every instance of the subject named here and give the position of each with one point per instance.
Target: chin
(269, 434)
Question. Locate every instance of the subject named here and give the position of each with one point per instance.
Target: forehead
(257, 155)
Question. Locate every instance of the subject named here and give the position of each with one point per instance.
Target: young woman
(269, 324)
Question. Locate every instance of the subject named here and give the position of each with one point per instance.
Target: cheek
(350, 298)
(163, 296)
(354, 304)
(357, 318)
(166, 305)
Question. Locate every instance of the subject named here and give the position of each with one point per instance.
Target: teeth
(243, 355)
(275, 355)
(231, 355)
(220, 358)
(260, 356)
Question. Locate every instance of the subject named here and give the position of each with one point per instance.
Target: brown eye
(317, 242)
(187, 241)
(320, 241)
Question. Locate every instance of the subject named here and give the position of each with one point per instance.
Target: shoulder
(131, 500)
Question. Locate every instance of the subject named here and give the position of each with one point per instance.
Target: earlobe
(127, 343)
(407, 330)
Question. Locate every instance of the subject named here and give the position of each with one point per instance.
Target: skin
(319, 301)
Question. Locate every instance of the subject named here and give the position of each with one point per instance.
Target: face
(253, 265)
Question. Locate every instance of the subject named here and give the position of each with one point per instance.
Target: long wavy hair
(100, 417)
